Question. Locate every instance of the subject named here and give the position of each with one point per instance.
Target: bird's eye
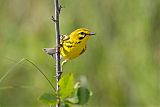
(82, 33)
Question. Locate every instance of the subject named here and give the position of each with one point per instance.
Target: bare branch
(57, 29)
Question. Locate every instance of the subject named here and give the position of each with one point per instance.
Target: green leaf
(83, 95)
(65, 105)
(76, 85)
(66, 84)
(73, 100)
(48, 98)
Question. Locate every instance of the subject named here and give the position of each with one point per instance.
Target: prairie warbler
(72, 45)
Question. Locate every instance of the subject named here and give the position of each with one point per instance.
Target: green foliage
(48, 98)
(83, 95)
(65, 105)
(80, 97)
(73, 99)
(122, 61)
(66, 84)
(69, 93)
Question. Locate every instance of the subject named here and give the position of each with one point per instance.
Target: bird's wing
(52, 51)
(64, 37)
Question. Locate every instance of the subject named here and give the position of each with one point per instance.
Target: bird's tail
(50, 51)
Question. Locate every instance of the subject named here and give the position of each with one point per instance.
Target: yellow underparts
(71, 50)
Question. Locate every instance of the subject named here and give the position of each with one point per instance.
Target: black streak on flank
(78, 42)
(61, 44)
(69, 46)
(83, 50)
(69, 42)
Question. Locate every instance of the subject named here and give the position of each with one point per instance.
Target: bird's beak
(92, 33)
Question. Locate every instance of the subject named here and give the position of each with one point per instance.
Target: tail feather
(50, 51)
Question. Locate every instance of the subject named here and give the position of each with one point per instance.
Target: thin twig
(22, 60)
(42, 73)
(58, 65)
(6, 74)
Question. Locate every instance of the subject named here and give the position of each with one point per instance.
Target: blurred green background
(121, 63)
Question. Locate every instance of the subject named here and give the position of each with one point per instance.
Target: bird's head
(81, 34)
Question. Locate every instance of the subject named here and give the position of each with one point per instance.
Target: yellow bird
(72, 45)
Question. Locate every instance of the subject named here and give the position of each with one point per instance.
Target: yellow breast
(69, 51)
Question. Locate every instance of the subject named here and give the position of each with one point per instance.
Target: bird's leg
(62, 64)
